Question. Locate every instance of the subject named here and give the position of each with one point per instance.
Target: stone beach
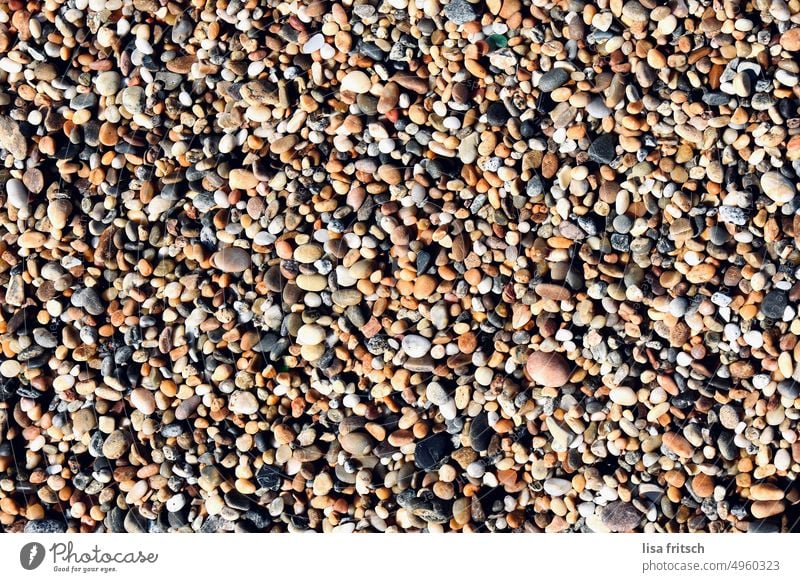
(399, 266)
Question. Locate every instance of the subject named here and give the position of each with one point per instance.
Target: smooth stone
(243, 402)
(133, 99)
(766, 492)
(310, 334)
(242, 179)
(356, 443)
(356, 82)
(115, 445)
(231, 260)
(556, 487)
(436, 394)
(497, 114)
(269, 477)
(480, 433)
(623, 396)
(549, 369)
(58, 212)
(763, 509)
(17, 193)
(774, 304)
(603, 149)
(677, 444)
(597, 109)
(187, 407)
(416, 346)
(778, 187)
(553, 79)
(431, 451)
(107, 83)
(143, 400)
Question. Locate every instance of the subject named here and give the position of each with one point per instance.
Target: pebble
(619, 516)
(779, 189)
(356, 443)
(356, 81)
(416, 346)
(107, 83)
(553, 79)
(603, 149)
(143, 400)
(432, 450)
(231, 260)
(243, 402)
(623, 395)
(115, 445)
(17, 194)
(548, 369)
(460, 12)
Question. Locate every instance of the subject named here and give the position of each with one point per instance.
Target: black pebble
(774, 303)
(497, 114)
(603, 149)
(430, 452)
(269, 477)
(480, 433)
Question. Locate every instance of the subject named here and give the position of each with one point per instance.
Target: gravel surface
(389, 266)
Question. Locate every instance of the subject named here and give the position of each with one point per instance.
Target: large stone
(356, 82)
(778, 187)
(460, 12)
(432, 450)
(115, 445)
(243, 402)
(549, 369)
(11, 139)
(619, 516)
(231, 259)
